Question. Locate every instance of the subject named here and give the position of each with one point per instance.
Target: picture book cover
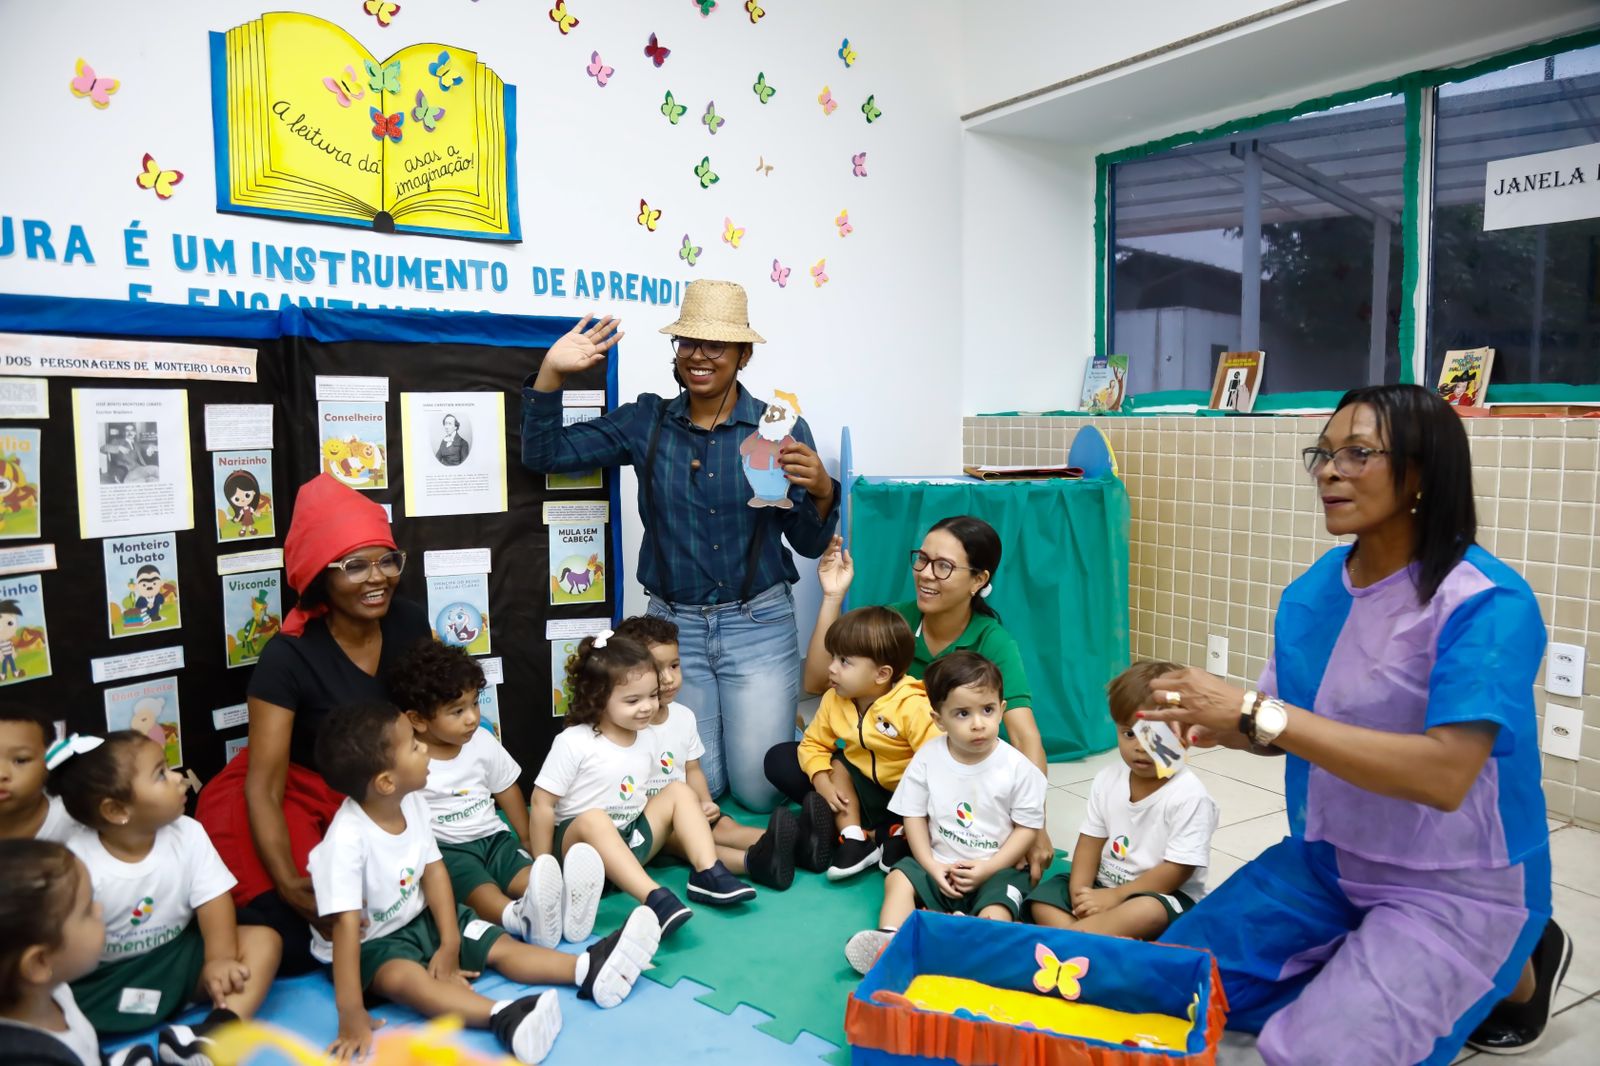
(355, 443)
(310, 125)
(1238, 381)
(243, 482)
(577, 479)
(458, 610)
(489, 710)
(560, 693)
(577, 564)
(1103, 383)
(19, 483)
(252, 613)
(24, 640)
(142, 584)
(149, 707)
(1464, 378)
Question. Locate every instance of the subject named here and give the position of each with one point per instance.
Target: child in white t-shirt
(1145, 844)
(768, 858)
(397, 930)
(470, 775)
(972, 805)
(27, 812)
(172, 937)
(591, 788)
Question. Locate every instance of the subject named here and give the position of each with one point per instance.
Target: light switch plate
(1217, 656)
(1563, 731)
(1563, 670)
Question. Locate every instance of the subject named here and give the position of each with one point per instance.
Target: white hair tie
(68, 746)
(604, 635)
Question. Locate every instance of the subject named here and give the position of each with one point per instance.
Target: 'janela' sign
(1535, 190)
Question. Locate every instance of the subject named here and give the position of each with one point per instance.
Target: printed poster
(243, 495)
(19, 483)
(577, 564)
(148, 707)
(458, 609)
(142, 584)
(252, 614)
(560, 693)
(578, 479)
(355, 443)
(133, 461)
(489, 710)
(24, 643)
(455, 452)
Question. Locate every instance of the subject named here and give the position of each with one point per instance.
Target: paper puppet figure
(1163, 746)
(760, 452)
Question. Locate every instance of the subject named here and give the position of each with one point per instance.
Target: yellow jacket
(879, 743)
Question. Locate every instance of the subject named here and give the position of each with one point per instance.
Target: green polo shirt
(983, 635)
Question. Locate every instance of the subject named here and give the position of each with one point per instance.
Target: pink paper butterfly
(825, 98)
(843, 222)
(347, 88)
(859, 165)
(819, 276)
(598, 70)
(90, 84)
(780, 274)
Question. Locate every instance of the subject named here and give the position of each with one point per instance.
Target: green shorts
(494, 859)
(418, 940)
(873, 796)
(1007, 889)
(133, 994)
(636, 833)
(1055, 892)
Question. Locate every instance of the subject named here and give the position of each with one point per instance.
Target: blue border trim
(618, 576)
(513, 201)
(219, 118)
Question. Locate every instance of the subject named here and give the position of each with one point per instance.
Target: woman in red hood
(269, 807)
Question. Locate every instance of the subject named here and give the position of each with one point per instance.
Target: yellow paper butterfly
(1058, 975)
(757, 12)
(847, 53)
(153, 177)
(382, 10)
(565, 22)
(825, 98)
(731, 234)
(648, 216)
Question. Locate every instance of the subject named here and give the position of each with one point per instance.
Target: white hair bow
(604, 635)
(68, 746)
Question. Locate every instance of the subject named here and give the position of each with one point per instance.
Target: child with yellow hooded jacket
(871, 721)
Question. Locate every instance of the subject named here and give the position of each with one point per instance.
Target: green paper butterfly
(704, 172)
(762, 89)
(383, 79)
(706, 7)
(672, 109)
(690, 252)
(870, 109)
(711, 120)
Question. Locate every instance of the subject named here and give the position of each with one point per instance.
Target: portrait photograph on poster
(133, 461)
(454, 449)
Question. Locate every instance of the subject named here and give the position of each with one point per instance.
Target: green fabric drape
(1061, 588)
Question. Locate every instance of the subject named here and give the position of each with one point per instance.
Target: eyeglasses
(1349, 461)
(942, 568)
(685, 347)
(358, 568)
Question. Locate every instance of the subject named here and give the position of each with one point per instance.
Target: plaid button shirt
(703, 524)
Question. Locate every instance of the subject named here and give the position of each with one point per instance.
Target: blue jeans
(741, 677)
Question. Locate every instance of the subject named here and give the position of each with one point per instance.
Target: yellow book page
(486, 209)
(445, 163)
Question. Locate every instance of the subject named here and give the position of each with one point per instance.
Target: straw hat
(714, 311)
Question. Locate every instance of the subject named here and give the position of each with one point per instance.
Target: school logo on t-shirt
(408, 877)
(462, 792)
(142, 911)
(625, 789)
(667, 763)
(964, 815)
(1120, 847)
(408, 888)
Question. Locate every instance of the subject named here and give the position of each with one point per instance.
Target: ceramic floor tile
(1579, 914)
(1575, 859)
(1222, 867)
(1237, 801)
(1238, 1049)
(1068, 773)
(1569, 1041)
(1258, 770)
(1063, 817)
(1466, 1053)
(1249, 839)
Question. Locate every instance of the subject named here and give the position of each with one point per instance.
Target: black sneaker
(770, 860)
(669, 910)
(813, 849)
(1513, 1028)
(527, 1027)
(851, 857)
(616, 962)
(716, 886)
(182, 1045)
(895, 846)
(133, 1055)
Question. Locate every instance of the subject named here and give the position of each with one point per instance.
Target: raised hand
(835, 570)
(581, 348)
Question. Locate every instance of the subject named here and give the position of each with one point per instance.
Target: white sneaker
(539, 909)
(584, 878)
(864, 948)
(616, 962)
(527, 1027)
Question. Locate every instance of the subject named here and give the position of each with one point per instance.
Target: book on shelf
(1022, 473)
(1464, 377)
(1104, 384)
(1238, 381)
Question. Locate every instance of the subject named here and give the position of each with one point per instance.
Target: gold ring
(1174, 699)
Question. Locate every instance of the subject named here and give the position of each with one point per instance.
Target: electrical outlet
(1563, 670)
(1563, 730)
(1217, 655)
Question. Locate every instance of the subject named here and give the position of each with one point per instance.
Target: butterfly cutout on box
(383, 79)
(825, 98)
(711, 120)
(690, 252)
(88, 84)
(858, 164)
(843, 222)
(672, 109)
(780, 274)
(819, 275)
(648, 216)
(151, 176)
(387, 125)
(847, 53)
(705, 6)
(656, 52)
(757, 12)
(441, 69)
(703, 171)
(347, 88)
(564, 22)
(763, 91)
(598, 70)
(382, 10)
(1058, 975)
(731, 234)
(762, 166)
(870, 109)
(428, 116)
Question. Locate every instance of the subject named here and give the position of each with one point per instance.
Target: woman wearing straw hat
(712, 563)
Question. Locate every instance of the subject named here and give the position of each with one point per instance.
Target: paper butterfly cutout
(389, 126)
(672, 109)
(843, 222)
(870, 109)
(780, 274)
(598, 70)
(441, 69)
(1058, 975)
(731, 234)
(704, 172)
(153, 177)
(763, 91)
(762, 166)
(825, 98)
(91, 85)
(564, 22)
(757, 12)
(847, 53)
(705, 6)
(428, 116)
(655, 52)
(382, 10)
(383, 79)
(648, 216)
(690, 253)
(711, 120)
(347, 88)
(819, 276)
(858, 164)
